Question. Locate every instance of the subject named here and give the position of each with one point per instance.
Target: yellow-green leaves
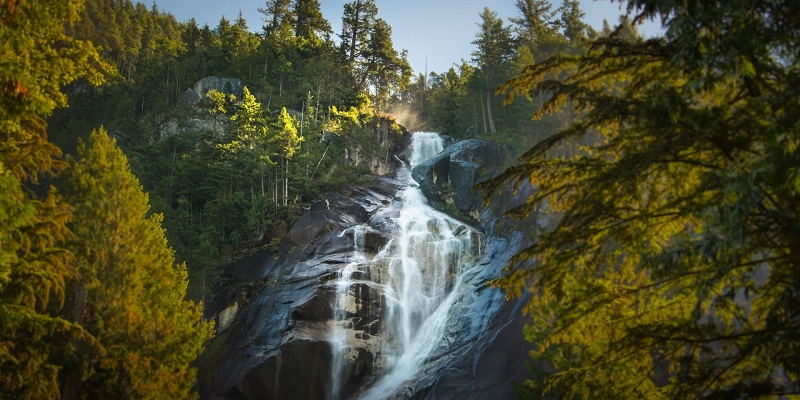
(134, 303)
(674, 256)
(36, 60)
(286, 134)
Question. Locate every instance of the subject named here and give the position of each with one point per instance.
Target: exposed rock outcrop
(278, 306)
(279, 346)
(233, 86)
(448, 179)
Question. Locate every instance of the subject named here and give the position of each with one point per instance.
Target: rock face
(279, 346)
(286, 315)
(448, 179)
(233, 86)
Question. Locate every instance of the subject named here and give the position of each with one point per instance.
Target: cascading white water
(338, 338)
(424, 145)
(418, 273)
(424, 262)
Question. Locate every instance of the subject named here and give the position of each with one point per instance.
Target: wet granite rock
(448, 179)
(279, 345)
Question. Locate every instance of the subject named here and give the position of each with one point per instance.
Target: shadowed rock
(448, 179)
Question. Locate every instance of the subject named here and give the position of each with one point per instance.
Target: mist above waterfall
(407, 117)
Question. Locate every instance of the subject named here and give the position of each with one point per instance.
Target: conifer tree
(310, 24)
(130, 293)
(495, 48)
(357, 21)
(382, 67)
(574, 27)
(279, 18)
(248, 149)
(36, 60)
(670, 266)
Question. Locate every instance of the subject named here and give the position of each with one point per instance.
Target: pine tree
(279, 18)
(310, 24)
(36, 60)
(129, 292)
(670, 266)
(382, 64)
(495, 48)
(537, 31)
(248, 149)
(574, 27)
(357, 21)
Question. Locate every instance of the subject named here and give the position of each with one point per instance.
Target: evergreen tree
(129, 292)
(279, 18)
(357, 21)
(382, 64)
(217, 103)
(310, 24)
(37, 58)
(537, 32)
(670, 267)
(571, 21)
(449, 93)
(248, 150)
(495, 49)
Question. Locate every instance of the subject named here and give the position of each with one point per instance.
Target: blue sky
(438, 33)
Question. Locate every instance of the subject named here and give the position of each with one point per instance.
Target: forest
(671, 162)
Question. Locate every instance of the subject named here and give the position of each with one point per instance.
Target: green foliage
(279, 17)
(494, 42)
(450, 102)
(132, 292)
(357, 21)
(36, 59)
(218, 170)
(666, 265)
(311, 25)
(286, 135)
(249, 133)
(464, 101)
(574, 28)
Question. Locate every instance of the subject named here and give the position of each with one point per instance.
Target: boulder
(448, 179)
(191, 97)
(233, 86)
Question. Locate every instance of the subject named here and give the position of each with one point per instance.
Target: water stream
(339, 340)
(419, 272)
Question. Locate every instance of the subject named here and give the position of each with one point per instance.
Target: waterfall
(339, 332)
(419, 274)
(424, 145)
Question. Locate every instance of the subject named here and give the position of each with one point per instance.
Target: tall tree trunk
(261, 170)
(489, 111)
(483, 115)
(71, 386)
(355, 29)
(286, 183)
